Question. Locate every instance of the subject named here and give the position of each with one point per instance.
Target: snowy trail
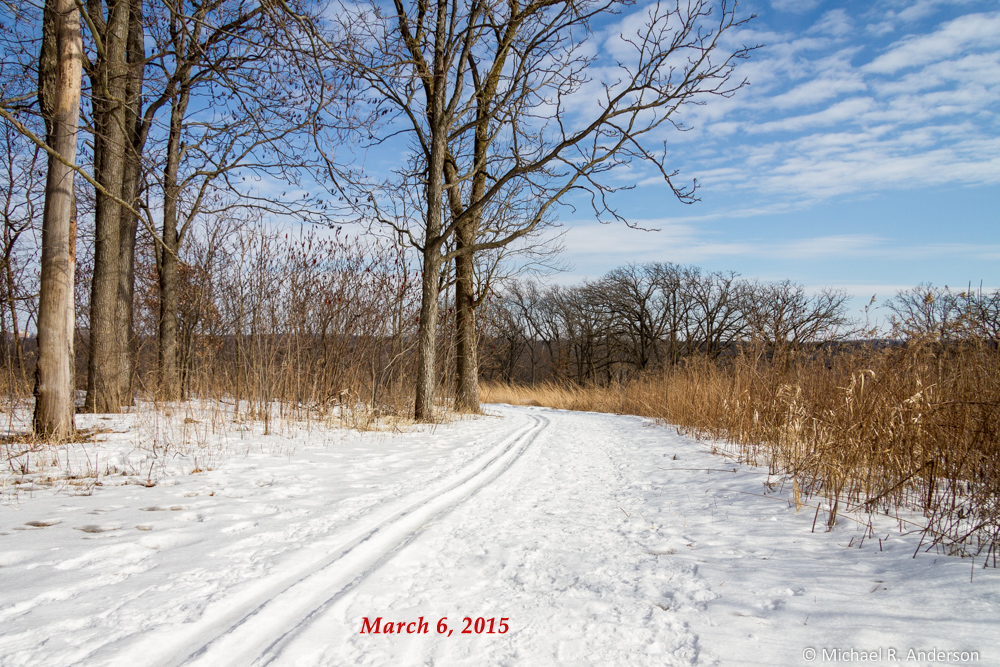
(259, 635)
(599, 539)
(578, 591)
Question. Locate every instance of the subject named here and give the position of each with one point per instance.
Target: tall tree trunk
(436, 84)
(466, 362)
(427, 335)
(169, 383)
(109, 82)
(59, 73)
(467, 388)
(466, 301)
(131, 185)
(467, 358)
(15, 326)
(427, 338)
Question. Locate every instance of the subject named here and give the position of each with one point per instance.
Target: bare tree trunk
(60, 71)
(427, 339)
(109, 81)
(124, 332)
(131, 183)
(436, 82)
(169, 385)
(169, 379)
(466, 302)
(467, 362)
(12, 304)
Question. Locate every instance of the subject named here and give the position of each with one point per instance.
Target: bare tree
(716, 317)
(926, 311)
(514, 75)
(238, 101)
(641, 311)
(59, 83)
(781, 314)
(22, 188)
(641, 317)
(982, 314)
(523, 301)
(115, 72)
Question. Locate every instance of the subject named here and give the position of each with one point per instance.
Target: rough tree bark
(131, 186)
(115, 117)
(435, 81)
(169, 299)
(467, 358)
(59, 73)
(466, 301)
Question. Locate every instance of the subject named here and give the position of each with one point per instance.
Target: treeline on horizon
(640, 318)
(322, 314)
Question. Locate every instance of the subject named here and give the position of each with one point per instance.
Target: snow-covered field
(578, 538)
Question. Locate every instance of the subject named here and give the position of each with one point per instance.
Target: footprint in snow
(105, 510)
(239, 527)
(96, 528)
(34, 525)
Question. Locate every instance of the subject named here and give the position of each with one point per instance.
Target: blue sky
(865, 154)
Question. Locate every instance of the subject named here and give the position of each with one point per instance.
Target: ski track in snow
(283, 614)
(603, 539)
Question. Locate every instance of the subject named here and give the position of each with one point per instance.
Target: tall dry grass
(298, 326)
(877, 430)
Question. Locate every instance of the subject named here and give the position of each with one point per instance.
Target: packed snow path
(599, 539)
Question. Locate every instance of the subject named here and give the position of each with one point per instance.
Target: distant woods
(642, 318)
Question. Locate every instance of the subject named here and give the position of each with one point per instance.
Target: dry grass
(912, 427)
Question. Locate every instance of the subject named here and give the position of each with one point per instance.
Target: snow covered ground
(580, 539)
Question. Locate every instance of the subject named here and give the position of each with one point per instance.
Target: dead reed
(874, 429)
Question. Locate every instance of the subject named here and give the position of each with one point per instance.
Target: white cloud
(889, 16)
(818, 90)
(843, 245)
(835, 22)
(915, 11)
(796, 6)
(849, 110)
(688, 243)
(970, 31)
(814, 125)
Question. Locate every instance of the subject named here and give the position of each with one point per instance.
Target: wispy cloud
(796, 6)
(954, 38)
(845, 111)
(683, 240)
(836, 22)
(818, 90)
(826, 115)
